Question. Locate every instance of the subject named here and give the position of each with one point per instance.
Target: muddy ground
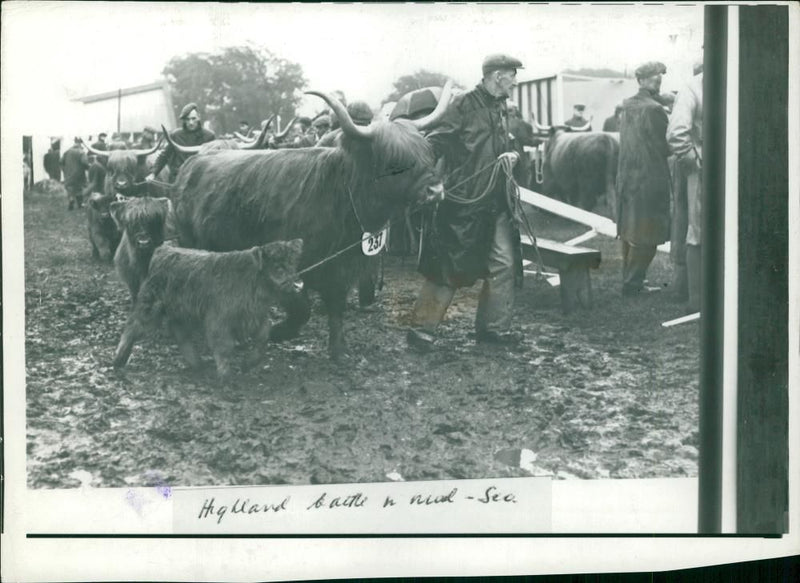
(606, 393)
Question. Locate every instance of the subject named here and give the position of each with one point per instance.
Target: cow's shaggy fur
(145, 223)
(326, 196)
(104, 235)
(227, 296)
(579, 168)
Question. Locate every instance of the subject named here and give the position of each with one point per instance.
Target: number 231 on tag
(373, 243)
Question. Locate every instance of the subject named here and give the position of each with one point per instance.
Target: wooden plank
(601, 224)
(559, 255)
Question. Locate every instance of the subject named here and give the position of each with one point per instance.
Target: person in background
(52, 160)
(191, 133)
(101, 144)
(147, 139)
(643, 180)
(244, 128)
(361, 114)
(523, 136)
(321, 126)
(578, 120)
(74, 162)
(612, 123)
(685, 139)
(465, 243)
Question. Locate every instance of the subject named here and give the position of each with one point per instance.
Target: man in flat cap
(643, 181)
(361, 114)
(191, 133)
(147, 139)
(578, 121)
(467, 242)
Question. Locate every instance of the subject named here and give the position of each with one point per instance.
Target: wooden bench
(573, 264)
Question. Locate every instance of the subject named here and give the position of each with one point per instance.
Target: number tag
(373, 243)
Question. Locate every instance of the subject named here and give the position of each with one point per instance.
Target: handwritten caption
(513, 503)
(211, 509)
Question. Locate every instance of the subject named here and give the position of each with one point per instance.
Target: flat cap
(500, 61)
(360, 112)
(322, 120)
(649, 69)
(579, 106)
(150, 129)
(187, 109)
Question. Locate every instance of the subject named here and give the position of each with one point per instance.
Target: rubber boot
(694, 276)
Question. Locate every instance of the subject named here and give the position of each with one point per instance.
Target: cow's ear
(117, 210)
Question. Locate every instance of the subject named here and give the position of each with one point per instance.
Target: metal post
(712, 301)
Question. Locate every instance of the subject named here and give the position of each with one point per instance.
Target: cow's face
(143, 219)
(121, 171)
(100, 205)
(278, 263)
(403, 164)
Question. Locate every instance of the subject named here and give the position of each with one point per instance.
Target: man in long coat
(191, 133)
(75, 163)
(479, 240)
(643, 181)
(52, 161)
(685, 138)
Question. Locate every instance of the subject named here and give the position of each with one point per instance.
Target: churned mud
(606, 393)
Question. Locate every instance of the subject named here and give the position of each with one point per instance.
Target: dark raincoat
(75, 163)
(169, 156)
(643, 181)
(471, 135)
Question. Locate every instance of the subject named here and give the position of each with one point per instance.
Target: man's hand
(690, 162)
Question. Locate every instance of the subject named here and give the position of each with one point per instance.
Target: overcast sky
(85, 48)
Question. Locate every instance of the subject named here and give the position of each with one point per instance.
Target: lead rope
(505, 162)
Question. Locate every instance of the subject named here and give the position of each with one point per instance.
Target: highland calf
(227, 296)
(103, 232)
(145, 224)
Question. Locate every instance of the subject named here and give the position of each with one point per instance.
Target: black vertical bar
(539, 103)
(549, 102)
(530, 100)
(712, 299)
(762, 488)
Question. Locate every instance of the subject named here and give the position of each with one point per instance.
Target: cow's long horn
(345, 121)
(181, 149)
(93, 151)
(540, 127)
(150, 151)
(281, 135)
(437, 113)
(583, 128)
(243, 138)
(258, 143)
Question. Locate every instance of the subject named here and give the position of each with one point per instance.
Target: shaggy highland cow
(227, 296)
(125, 169)
(145, 224)
(580, 167)
(326, 196)
(103, 232)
